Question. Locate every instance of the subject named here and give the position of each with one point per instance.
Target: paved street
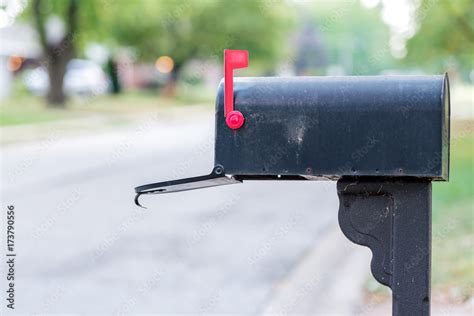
(83, 246)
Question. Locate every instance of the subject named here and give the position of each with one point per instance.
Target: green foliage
(182, 29)
(355, 36)
(87, 17)
(445, 37)
(185, 29)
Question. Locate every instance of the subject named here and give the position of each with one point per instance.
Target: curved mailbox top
(331, 127)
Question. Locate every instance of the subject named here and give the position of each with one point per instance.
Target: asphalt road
(82, 245)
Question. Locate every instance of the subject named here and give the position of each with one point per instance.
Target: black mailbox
(384, 138)
(330, 127)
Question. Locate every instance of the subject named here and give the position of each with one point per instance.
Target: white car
(82, 78)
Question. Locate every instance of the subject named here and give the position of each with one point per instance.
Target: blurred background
(97, 97)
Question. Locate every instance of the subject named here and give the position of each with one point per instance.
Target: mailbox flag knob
(235, 119)
(233, 59)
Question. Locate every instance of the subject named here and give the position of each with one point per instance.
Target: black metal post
(393, 218)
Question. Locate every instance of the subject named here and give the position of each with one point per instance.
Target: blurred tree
(186, 29)
(310, 49)
(180, 29)
(356, 39)
(445, 36)
(57, 23)
(58, 45)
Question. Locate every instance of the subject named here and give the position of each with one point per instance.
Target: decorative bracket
(393, 218)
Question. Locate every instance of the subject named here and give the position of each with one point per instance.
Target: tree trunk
(112, 69)
(169, 89)
(56, 71)
(57, 54)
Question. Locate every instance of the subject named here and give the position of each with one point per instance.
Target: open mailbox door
(215, 178)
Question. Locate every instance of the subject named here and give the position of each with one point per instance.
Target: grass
(26, 109)
(453, 216)
(27, 112)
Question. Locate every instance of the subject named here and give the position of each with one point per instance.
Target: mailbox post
(382, 138)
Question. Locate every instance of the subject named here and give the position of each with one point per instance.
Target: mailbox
(330, 127)
(325, 128)
(383, 138)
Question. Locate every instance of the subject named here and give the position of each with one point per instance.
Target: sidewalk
(329, 281)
